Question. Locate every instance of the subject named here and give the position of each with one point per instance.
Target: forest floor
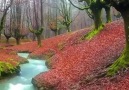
(72, 60)
(9, 60)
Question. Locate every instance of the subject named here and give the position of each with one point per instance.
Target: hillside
(71, 60)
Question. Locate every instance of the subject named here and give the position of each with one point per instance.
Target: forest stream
(23, 80)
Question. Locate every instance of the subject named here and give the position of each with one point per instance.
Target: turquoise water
(28, 71)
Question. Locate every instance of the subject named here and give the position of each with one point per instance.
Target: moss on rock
(8, 69)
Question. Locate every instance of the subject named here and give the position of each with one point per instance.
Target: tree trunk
(125, 16)
(39, 40)
(97, 18)
(108, 14)
(33, 37)
(123, 60)
(7, 40)
(98, 25)
(0, 35)
(68, 29)
(59, 31)
(18, 41)
(56, 32)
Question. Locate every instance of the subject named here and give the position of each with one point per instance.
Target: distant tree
(94, 9)
(123, 61)
(17, 20)
(65, 12)
(36, 26)
(16, 14)
(7, 5)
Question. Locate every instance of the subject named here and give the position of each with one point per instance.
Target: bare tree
(16, 20)
(65, 12)
(7, 5)
(36, 26)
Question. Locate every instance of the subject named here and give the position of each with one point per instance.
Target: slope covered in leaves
(74, 63)
(9, 61)
(54, 44)
(60, 43)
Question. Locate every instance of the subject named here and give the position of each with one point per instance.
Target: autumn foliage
(74, 59)
(74, 63)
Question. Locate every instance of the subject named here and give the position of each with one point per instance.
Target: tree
(6, 8)
(107, 8)
(123, 61)
(56, 25)
(36, 26)
(65, 12)
(16, 14)
(53, 27)
(94, 8)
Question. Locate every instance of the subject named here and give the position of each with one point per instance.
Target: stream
(28, 71)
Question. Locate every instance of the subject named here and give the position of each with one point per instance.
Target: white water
(28, 71)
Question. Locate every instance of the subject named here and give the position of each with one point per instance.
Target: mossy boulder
(7, 69)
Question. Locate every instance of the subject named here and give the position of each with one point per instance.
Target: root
(121, 63)
(92, 77)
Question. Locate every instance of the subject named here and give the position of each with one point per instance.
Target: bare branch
(80, 8)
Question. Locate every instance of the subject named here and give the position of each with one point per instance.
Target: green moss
(7, 68)
(121, 63)
(93, 33)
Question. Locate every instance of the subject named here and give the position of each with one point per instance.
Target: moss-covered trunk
(108, 14)
(123, 60)
(68, 28)
(125, 16)
(98, 25)
(39, 40)
(97, 17)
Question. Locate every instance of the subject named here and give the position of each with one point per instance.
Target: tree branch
(80, 8)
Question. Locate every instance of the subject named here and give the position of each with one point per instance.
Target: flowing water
(23, 80)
